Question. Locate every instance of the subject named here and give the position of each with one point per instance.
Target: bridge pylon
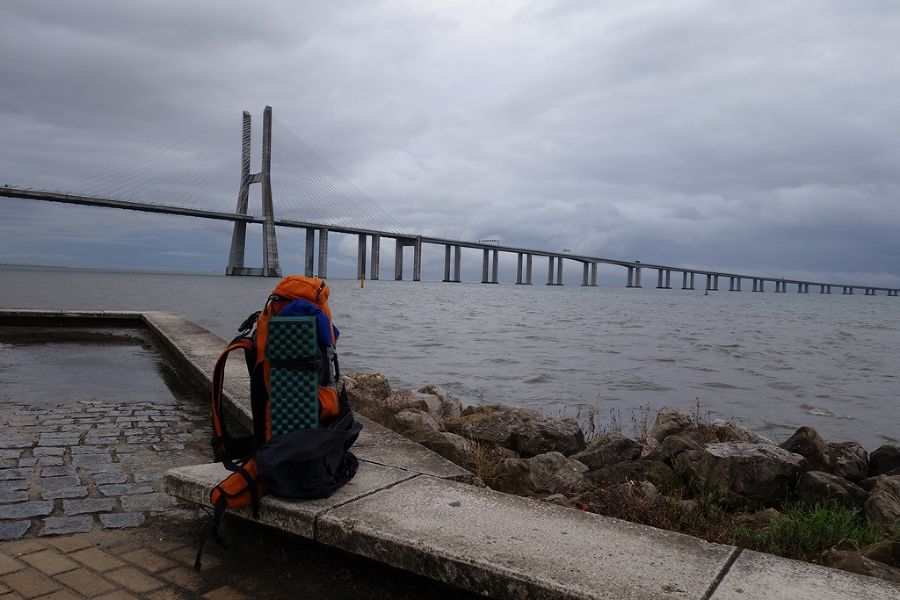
(270, 266)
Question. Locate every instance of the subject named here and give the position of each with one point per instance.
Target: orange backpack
(331, 465)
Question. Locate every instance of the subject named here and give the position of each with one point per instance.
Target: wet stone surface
(93, 464)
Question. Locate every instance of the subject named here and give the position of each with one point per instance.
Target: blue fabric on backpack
(302, 308)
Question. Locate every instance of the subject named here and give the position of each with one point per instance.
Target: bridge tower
(270, 266)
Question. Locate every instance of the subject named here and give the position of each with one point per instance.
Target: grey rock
(883, 505)
(123, 489)
(759, 473)
(17, 496)
(884, 459)
(450, 407)
(608, 449)
(669, 421)
(454, 448)
(729, 431)
(526, 431)
(50, 484)
(81, 460)
(13, 485)
(88, 505)
(67, 525)
(848, 560)
(8, 442)
(13, 530)
(414, 424)
(886, 551)
(50, 461)
(27, 462)
(672, 446)
(26, 510)
(121, 520)
(104, 468)
(807, 442)
(366, 388)
(849, 460)
(77, 491)
(548, 473)
(7, 454)
(818, 487)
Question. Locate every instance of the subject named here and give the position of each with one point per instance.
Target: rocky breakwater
(807, 498)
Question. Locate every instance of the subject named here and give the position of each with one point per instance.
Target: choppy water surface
(772, 361)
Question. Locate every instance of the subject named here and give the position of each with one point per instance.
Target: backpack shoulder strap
(224, 446)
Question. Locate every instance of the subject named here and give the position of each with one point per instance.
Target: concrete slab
(379, 445)
(511, 547)
(195, 483)
(756, 576)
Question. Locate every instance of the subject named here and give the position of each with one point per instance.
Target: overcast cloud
(762, 137)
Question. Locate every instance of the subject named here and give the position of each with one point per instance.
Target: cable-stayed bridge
(313, 196)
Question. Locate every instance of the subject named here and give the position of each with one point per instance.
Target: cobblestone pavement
(92, 464)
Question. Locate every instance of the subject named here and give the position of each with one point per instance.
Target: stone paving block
(50, 461)
(27, 462)
(13, 530)
(89, 505)
(121, 520)
(23, 547)
(9, 497)
(224, 593)
(133, 579)
(188, 554)
(107, 478)
(78, 491)
(81, 460)
(156, 501)
(48, 451)
(25, 510)
(184, 577)
(5, 454)
(61, 595)
(124, 489)
(148, 559)
(757, 576)
(101, 468)
(29, 583)
(14, 442)
(97, 559)
(71, 543)
(9, 564)
(64, 525)
(59, 439)
(117, 595)
(58, 470)
(85, 582)
(13, 485)
(50, 562)
(51, 484)
(7, 474)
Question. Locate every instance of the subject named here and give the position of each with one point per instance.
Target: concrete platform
(406, 508)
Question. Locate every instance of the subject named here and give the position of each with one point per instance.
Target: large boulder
(759, 473)
(415, 424)
(729, 431)
(526, 431)
(549, 473)
(654, 471)
(448, 407)
(608, 449)
(454, 448)
(367, 387)
(849, 460)
(849, 560)
(885, 459)
(672, 446)
(883, 505)
(807, 442)
(817, 487)
(670, 421)
(886, 551)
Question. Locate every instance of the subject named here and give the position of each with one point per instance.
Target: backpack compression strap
(224, 446)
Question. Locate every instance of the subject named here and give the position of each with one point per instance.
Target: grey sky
(760, 137)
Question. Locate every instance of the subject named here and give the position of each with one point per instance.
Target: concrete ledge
(757, 576)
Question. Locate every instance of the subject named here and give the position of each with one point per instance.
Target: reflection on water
(773, 361)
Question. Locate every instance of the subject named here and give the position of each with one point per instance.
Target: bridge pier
(398, 261)
(446, 263)
(309, 258)
(559, 265)
(684, 280)
(484, 266)
(323, 253)
(634, 275)
(457, 264)
(664, 279)
(551, 262)
(270, 266)
(584, 275)
(376, 257)
(593, 274)
(528, 268)
(361, 257)
(519, 268)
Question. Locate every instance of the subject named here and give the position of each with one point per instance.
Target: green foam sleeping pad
(293, 392)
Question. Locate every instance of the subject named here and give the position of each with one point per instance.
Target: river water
(771, 361)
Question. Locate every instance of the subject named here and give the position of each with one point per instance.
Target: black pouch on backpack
(310, 463)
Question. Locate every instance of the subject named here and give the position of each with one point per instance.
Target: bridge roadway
(490, 251)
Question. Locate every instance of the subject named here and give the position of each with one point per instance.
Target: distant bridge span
(452, 248)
